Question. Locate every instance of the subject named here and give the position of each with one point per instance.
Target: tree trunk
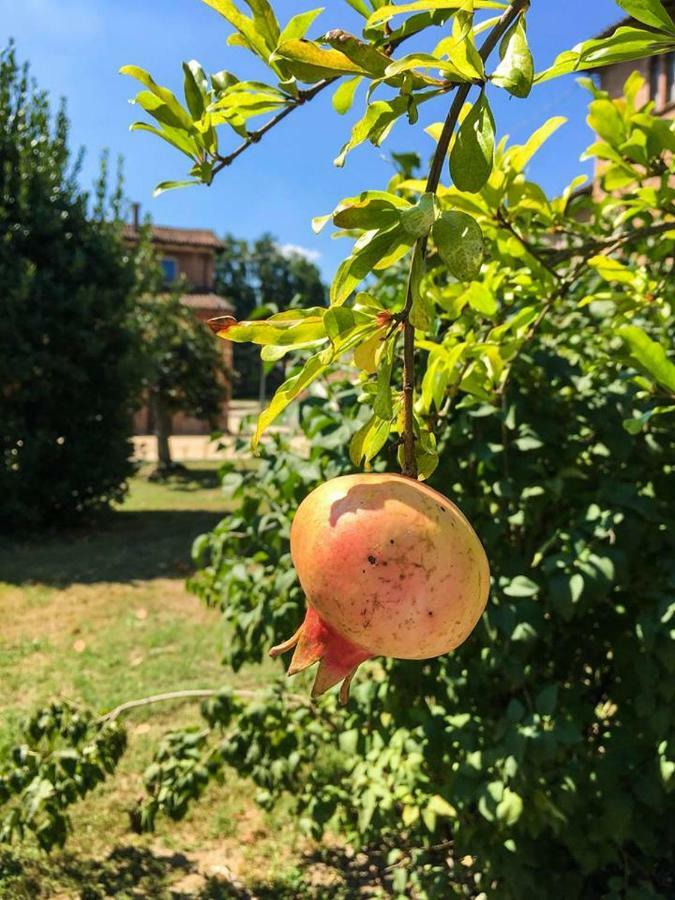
(162, 431)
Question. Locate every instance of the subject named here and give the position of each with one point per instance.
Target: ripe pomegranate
(390, 567)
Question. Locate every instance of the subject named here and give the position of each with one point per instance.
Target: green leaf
(479, 297)
(265, 21)
(343, 98)
(290, 389)
(441, 807)
(606, 120)
(385, 13)
(510, 807)
(426, 452)
(360, 6)
(459, 241)
(383, 248)
(178, 138)
(341, 321)
(254, 38)
(172, 185)
(310, 63)
(612, 270)
(546, 700)
(472, 155)
(383, 405)
(460, 46)
(160, 111)
(515, 72)
(637, 424)
(649, 355)
(370, 210)
(369, 440)
(521, 586)
(367, 57)
(417, 220)
(375, 124)
(626, 44)
(428, 61)
(162, 93)
(285, 329)
(298, 26)
(518, 156)
(649, 12)
(195, 86)
(422, 312)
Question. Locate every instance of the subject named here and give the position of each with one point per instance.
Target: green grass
(101, 615)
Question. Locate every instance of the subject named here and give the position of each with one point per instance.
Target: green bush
(65, 373)
(537, 758)
(539, 747)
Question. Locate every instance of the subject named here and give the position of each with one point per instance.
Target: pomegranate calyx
(315, 641)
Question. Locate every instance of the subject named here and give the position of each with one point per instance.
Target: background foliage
(257, 277)
(66, 363)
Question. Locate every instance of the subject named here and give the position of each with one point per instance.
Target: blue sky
(75, 48)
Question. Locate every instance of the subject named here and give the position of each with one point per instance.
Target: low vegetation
(99, 615)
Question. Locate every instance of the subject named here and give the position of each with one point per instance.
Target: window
(170, 269)
(670, 77)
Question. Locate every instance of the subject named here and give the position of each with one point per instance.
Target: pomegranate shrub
(512, 740)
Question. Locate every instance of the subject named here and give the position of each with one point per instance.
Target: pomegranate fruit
(389, 567)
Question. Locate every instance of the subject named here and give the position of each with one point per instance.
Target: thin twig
(254, 136)
(196, 694)
(534, 252)
(303, 97)
(433, 180)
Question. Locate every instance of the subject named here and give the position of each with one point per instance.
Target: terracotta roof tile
(207, 301)
(189, 237)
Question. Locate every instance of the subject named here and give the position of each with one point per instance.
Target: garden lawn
(101, 615)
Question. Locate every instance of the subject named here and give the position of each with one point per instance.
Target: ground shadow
(130, 871)
(126, 872)
(123, 546)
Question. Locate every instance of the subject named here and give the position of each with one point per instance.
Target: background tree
(255, 277)
(182, 368)
(66, 351)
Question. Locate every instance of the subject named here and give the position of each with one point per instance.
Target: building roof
(188, 237)
(207, 301)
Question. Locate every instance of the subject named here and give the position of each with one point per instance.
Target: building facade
(190, 254)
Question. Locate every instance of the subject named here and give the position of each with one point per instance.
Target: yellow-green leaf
(459, 241)
(515, 72)
(385, 13)
(649, 355)
(472, 155)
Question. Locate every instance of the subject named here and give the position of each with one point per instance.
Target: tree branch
(196, 694)
(409, 468)
(255, 136)
(303, 97)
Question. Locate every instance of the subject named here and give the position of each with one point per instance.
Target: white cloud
(296, 250)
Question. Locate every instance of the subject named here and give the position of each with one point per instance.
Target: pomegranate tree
(390, 567)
